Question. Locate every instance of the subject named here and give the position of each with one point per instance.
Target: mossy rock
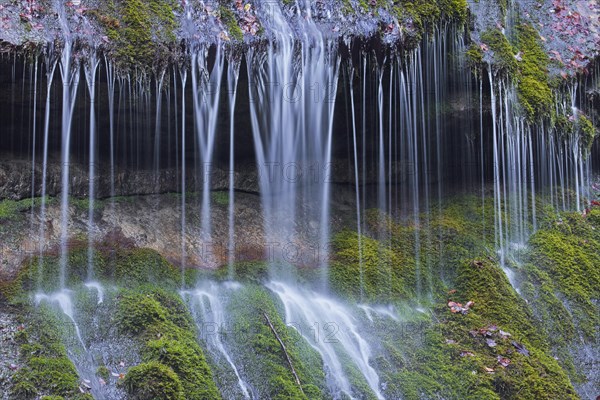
(125, 267)
(161, 322)
(255, 344)
(142, 33)
(503, 51)
(46, 370)
(153, 380)
(533, 87)
(365, 269)
(568, 253)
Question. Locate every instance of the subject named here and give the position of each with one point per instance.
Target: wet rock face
(16, 178)
(155, 222)
(9, 350)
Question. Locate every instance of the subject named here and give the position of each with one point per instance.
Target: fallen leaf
(503, 334)
(466, 354)
(489, 370)
(505, 362)
(491, 342)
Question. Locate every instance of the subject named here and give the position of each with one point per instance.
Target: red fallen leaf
(505, 362)
(459, 308)
(485, 332)
(596, 203)
(556, 54)
(454, 307)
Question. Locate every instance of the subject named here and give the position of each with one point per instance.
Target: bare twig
(287, 356)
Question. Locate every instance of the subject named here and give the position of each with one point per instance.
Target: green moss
(245, 271)
(143, 32)
(230, 21)
(475, 57)
(496, 301)
(533, 88)
(162, 324)
(46, 371)
(220, 198)
(103, 372)
(153, 380)
(456, 10)
(422, 14)
(371, 267)
(255, 344)
(11, 210)
(503, 52)
(83, 204)
(568, 253)
(126, 267)
(587, 133)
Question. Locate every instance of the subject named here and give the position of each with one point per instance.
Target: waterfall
(342, 342)
(292, 99)
(50, 62)
(206, 88)
(183, 75)
(208, 305)
(90, 68)
(233, 73)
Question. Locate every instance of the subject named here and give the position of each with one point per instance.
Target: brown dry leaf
(505, 362)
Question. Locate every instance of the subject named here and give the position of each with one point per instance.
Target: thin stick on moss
(287, 356)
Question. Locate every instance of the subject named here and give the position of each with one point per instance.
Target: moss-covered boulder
(160, 321)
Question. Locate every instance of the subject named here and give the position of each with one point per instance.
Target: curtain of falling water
(292, 106)
(233, 73)
(90, 68)
(183, 75)
(50, 62)
(207, 90)
(70, 79)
